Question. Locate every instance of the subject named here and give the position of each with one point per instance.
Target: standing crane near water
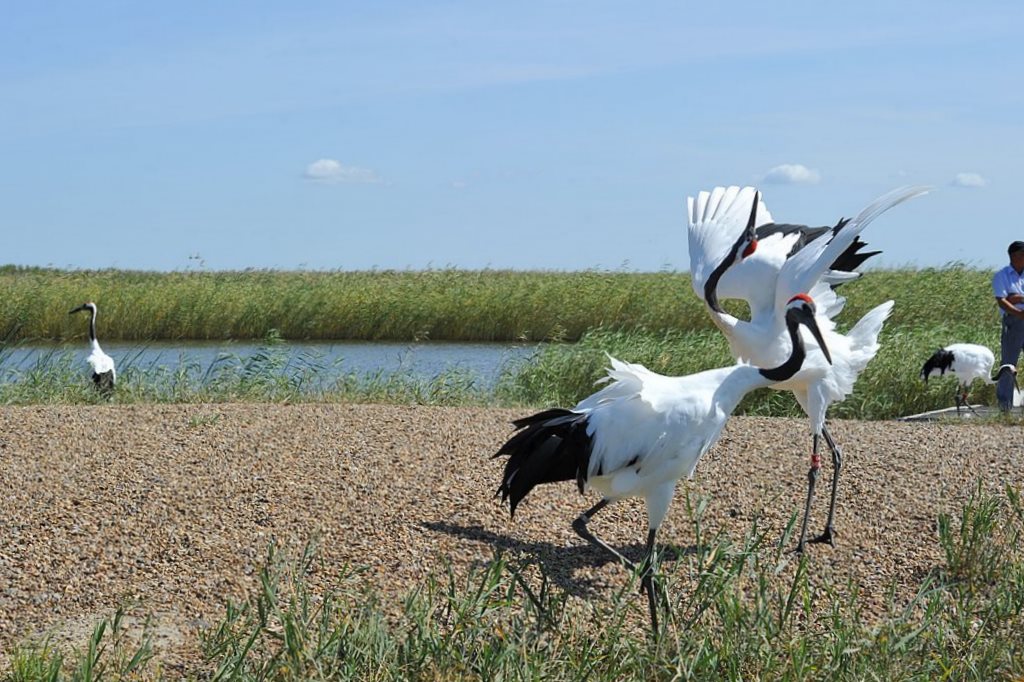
(104, 376)
(778, 269)
(640, 434)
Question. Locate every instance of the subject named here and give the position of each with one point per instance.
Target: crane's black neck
(711, 285)
(92, 323)
(791, 366)
(748, 235)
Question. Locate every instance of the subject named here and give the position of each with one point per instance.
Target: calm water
(483, 361)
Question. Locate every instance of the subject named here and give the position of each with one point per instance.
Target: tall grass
(738, 608)
(562, 374)
(482, 305)
(486, 305)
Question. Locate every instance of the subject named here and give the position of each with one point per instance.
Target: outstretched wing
(809, 265)
(716, 220)
(844, 265)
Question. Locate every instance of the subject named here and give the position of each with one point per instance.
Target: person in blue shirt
(1008, 286)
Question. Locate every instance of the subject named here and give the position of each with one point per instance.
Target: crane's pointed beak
(808, 320)
(750, 233)
(78, 309)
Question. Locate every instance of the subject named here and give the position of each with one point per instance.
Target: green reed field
(575, 317)
(488, 305)
(737, 610)
(454, 305)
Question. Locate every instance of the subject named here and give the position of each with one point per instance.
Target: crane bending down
(967, 361)
(639, 434)
(104, 376)
(783, 264)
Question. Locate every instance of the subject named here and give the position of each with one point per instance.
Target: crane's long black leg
(647, 570)
(968, 405)
(647, 567)
(812, 479)
(580, 526)
(837, 465)
(959, 400)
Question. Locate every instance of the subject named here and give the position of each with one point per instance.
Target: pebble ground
(171, 507)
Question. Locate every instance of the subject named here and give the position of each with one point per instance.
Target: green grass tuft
(738, 608)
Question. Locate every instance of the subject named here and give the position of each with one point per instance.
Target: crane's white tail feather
(624, 379)
(864, 335)
(826, 300)
(626, 372)
(837, 277)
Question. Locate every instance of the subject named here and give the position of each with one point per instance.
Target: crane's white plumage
(104, 375)
(100, 362)
(770, 276)
(639, 434)
(967, 362)
(648, 429)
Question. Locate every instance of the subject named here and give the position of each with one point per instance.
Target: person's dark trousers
(1010, 341)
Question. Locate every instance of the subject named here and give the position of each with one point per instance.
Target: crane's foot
(828, 536)
(580, 526)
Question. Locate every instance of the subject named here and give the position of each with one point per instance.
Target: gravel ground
(172, 506)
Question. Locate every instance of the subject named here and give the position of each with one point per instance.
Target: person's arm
(1005, 299)
(1007, 304)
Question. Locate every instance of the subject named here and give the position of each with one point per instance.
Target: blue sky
(559, 135)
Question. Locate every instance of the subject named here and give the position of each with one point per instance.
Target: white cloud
(792, 174)
(969, 180)
(330, 171)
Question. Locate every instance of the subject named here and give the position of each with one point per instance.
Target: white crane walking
(640, 434)
(769, 278)
(104, 376)
(967, 362)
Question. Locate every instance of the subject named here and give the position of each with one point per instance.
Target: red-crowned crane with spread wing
(783, 264)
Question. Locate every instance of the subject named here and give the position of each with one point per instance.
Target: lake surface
(329, 360)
